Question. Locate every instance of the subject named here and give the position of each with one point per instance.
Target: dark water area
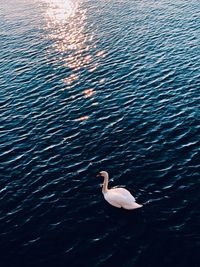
(99, 85)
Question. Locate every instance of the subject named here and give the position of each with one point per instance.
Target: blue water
(99, 85)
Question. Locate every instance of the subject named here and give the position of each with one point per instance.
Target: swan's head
(102, 173)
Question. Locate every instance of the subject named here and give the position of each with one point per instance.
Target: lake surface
(87, 86)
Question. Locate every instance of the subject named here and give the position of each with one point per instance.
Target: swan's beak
(99, 175)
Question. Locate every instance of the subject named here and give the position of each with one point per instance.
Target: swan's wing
(123, 192)
(119, 198)
(114, 199)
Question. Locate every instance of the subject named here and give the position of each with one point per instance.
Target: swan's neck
(105, 183)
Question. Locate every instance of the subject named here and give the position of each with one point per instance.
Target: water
(99, 85)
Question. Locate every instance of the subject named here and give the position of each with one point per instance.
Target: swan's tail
(133, 206)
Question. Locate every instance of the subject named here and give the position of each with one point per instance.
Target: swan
(118, 197)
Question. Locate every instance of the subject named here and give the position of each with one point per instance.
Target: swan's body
(118, 197)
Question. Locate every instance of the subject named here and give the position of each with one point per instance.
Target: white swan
(118, 197)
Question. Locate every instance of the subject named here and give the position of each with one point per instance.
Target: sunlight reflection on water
(66, 21)
(73, 44)
(60, 10)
